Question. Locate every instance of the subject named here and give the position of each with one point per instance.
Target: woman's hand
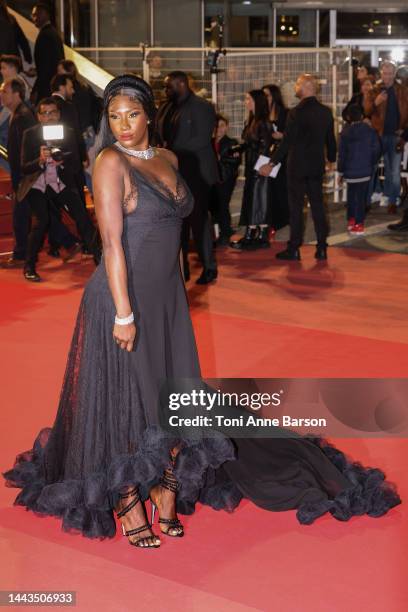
(382, 97)
(124, 336)
(265, 170)
(277, 135)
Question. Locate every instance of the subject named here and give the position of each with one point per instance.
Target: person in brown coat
(388, 108)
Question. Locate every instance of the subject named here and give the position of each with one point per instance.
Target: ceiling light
(283, 28)
(371, 30)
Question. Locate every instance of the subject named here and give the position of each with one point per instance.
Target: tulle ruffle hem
(86, 505)
(369, 493)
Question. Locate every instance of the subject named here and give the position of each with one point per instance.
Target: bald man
(308, 140)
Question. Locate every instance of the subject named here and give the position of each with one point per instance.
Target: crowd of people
(48, 176)
(277, 144)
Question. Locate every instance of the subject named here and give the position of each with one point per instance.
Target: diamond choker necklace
(147, 154)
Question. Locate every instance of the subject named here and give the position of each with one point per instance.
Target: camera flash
(53, 132)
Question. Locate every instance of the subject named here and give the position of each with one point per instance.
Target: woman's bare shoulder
(169, 156)
(109, 159)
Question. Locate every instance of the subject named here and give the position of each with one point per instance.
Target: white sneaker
(376, 197)
(384, 201)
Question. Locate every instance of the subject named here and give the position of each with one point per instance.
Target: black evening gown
(107, 435)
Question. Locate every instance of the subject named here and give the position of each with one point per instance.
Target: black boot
(207, 276)
(289, 254)
(262, 241)
(402, 225)
(321, 253)
(247, 242)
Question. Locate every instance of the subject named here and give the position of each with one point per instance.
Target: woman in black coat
(257, 137)
(278, 211)
(361, 99)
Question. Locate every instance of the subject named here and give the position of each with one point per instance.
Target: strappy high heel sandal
(145, 542)
(174, 526)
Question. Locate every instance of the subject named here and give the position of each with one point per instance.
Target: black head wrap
(128, 85)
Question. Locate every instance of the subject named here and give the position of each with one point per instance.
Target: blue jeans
(392, 167)
(356, 201)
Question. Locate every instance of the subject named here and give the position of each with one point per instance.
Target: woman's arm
(108, 180)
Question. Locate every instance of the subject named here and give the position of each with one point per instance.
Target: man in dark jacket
(48, 51)
(12, 96)
(51, 180)
(185, 125)
(62, 89)
(309, 137)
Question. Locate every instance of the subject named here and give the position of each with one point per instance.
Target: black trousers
(21, 228)
(298, 187)
(42, 209)
(222, 193)
(199, 223)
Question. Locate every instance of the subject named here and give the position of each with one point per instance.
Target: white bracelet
(124, 320)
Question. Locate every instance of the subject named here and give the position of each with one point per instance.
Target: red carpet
(261, 319)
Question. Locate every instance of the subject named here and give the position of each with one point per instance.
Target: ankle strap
(129, 493)
(129, 507)
(168, 481)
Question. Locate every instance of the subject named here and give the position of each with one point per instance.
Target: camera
(52, 134)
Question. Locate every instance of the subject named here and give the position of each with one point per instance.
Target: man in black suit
(185, 125)
(48, 51)
(51, 182)
(62, 90)
(308, 138)
(22, 118)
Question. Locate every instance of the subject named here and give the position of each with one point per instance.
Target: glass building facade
(235, 23)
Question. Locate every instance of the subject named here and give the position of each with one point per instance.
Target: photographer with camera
(50, 164)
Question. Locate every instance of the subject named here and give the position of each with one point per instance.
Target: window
(177, 24)
(372, 25)
(123, 23)
(247, 24)
(296, 28)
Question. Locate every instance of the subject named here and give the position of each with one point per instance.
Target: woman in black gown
(106, 451)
